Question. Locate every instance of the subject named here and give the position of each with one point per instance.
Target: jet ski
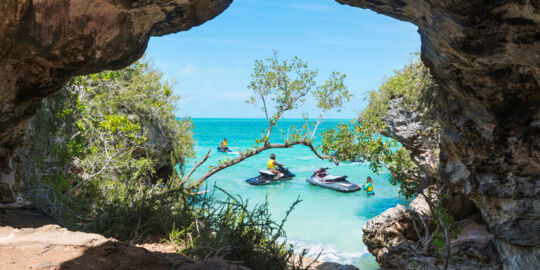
(268, 177)
(323, 179)
(224, 150)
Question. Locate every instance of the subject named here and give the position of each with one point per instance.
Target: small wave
(329, 252)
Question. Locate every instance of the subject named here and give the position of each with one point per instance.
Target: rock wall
(398, 236)
(44, 43)
(408, 127)
(485, 55)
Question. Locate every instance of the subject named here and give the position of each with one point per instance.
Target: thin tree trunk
(318, 122)
(265, 109)
(445, 228)
(447, 238)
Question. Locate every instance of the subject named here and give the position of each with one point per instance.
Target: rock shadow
(26, 217)
(122, 256)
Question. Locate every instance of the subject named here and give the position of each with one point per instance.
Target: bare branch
(447, 238)
(310, 145)
(444, 226)
(196, 166)
(109, 159)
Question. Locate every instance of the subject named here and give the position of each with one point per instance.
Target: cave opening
(212, 65)
(480, 52)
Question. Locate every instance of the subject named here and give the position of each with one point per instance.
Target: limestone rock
(406, 126)
(474, 243)
(517, 258)
(393, 239)
(459, 206)
(44, 43)
(388, 232)
(485, 56)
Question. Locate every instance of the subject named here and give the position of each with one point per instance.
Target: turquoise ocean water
(325, 220)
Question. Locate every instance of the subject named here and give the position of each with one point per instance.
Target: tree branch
(109, 159)
(196, 166)
(274, 122)
(255, 152)
(444, 226)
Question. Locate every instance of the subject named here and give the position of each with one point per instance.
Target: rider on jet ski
(272, 166)
(223, 146)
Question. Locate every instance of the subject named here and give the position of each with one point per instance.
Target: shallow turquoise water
(325, 219)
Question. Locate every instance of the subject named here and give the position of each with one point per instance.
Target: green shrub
(230, 229)
(361, 139)
(100, 158)
(104, 138)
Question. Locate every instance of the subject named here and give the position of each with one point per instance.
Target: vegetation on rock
(100, 156)
(108, 133)
(361, 139)
(413, 90)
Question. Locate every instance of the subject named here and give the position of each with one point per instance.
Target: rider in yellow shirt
(272, 163)
(223, 145)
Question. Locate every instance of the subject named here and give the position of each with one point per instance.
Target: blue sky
(212, 63)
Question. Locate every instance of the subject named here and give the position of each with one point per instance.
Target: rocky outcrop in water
(485, 56)
(397, 236)
(402, 238)
(44, 43)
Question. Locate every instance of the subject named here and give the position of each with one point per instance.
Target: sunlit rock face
(486, 57)
(407, 127)
(44, 43)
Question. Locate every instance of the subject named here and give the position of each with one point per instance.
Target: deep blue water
(325, 219)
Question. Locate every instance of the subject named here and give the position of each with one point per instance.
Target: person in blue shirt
(369, 186)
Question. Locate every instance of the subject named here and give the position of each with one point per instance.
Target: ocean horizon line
(258, 118)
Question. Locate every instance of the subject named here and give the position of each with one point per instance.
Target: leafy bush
(231, 230)
(361, 139)
(100, 158)
(104, 138)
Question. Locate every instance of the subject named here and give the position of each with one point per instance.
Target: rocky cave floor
(30, 239)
